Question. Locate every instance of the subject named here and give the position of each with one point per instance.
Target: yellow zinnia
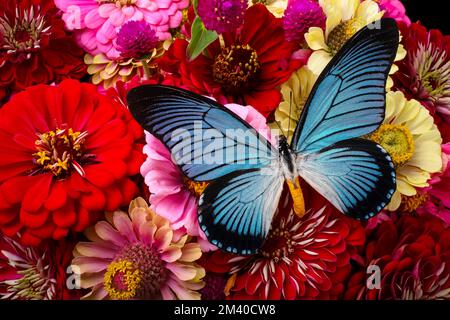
(295, 92)
(344, 19)
(409, 135)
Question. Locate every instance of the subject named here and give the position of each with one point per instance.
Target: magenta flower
(300, 15)
(222, 15)
(437, 195)
(97, 23)
(172, 195)
(136, 39)
(394, 9)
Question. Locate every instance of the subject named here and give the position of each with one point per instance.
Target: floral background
(91, 207)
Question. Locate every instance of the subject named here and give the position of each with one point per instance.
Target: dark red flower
(68, 154)
(424, 74)
(305, 258)
(34, 47)
(40, 273)
(253, 61)
(413, 256)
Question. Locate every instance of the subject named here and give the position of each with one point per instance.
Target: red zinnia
(246, 70)
(413, 257)
(34, 47)
(424, 74)
(303, 258)
(67, 155)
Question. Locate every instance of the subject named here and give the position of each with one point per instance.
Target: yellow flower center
(195, 188)
(122, 280)
(119, 3)
(397, 140)
(412, 203)
(59, 151)
(137, 272)
(343, 32)
(235, 68)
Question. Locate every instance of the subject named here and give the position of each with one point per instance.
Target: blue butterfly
(348, 102)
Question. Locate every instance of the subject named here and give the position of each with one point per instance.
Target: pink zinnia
(97, 23)
(172, 195)
(137, 255)
(394, 9)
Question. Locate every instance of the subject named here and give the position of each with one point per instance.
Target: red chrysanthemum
(246, 70)
(303, 258)
(67, 155)
(424, 74)
(34, 47)
(40, 273)
(413, 256)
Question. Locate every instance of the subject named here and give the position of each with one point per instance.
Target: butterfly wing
(235, 211)
(206, 140)
(348, 100)
(356, 175)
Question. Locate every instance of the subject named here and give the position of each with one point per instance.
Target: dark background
(433, 14)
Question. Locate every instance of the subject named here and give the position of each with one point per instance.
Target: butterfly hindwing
(235, 211)
(357, 176)
(211, 140)
(348, 100)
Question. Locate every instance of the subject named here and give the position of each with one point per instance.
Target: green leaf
(195, 5)
(200, 40)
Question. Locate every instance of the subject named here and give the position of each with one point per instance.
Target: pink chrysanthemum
(136, 39)
(175, 197)
(97, 22)
(438, 194)
(137, 255)
(222, 15)
(299, 16)
(394, 9)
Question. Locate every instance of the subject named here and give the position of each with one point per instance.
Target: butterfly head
(283, 144)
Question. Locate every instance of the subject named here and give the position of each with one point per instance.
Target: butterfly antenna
(289, 118)
(279, 127)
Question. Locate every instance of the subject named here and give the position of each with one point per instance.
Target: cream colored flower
(409, 135)
(344, 19)
(108, 72)
(295, 92)
(276, 7)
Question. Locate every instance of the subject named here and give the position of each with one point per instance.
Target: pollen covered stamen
(137, 272)
(412, 203)
(283, 244)
(235, 68)
(342, 33)
(119, 3)
(195, 188)
(122, 280)
(397, 140)
(60, 151)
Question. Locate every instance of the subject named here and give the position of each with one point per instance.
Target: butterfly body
(287, 160)
(355, 175)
